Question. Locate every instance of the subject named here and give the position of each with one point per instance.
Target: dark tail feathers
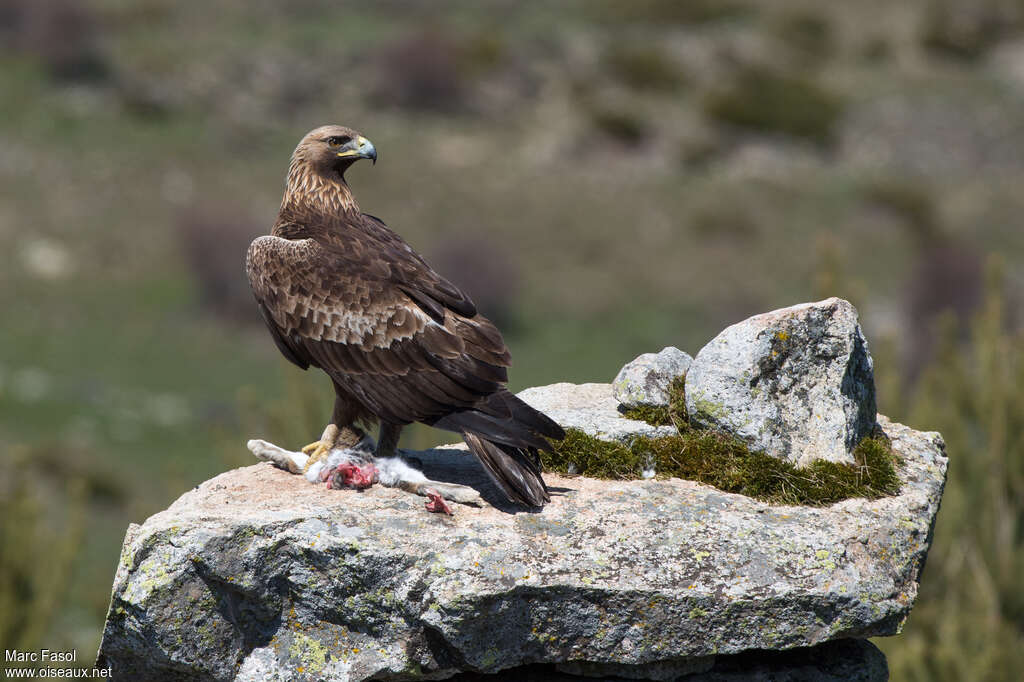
(506, 435)
(516, 471)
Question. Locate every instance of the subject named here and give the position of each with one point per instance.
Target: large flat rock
(259, 575)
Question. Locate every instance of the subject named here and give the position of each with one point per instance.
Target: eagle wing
(373, 315)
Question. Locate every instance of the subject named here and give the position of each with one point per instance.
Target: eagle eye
(338, 140)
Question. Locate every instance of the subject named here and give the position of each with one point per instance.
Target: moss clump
(674, 414)
(728, 464)
(655, 416)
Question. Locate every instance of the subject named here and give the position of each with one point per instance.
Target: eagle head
(332, 149)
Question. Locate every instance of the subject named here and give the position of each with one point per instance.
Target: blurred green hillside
(605, 178)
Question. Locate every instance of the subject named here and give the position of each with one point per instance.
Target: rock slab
(645, 380)
(796, 383)
(260, 575)
(591, 408)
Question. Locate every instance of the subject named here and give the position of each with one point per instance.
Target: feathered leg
(387, 443)
(341, 432)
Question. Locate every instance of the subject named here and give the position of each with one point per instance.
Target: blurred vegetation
(41, 535)
(767, 101)
(621, 125)
(910, 201)
(969, 620)
(606, 178)
(643, 67)
(669, 12)
(808, 34)
(966, 30)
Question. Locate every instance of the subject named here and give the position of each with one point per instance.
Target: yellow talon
(316, 451)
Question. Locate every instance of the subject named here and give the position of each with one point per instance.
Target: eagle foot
(317, 451)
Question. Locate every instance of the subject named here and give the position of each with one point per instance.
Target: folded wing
(401, 340)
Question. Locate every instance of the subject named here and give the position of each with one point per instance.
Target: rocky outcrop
(645, 381)
(796, 383)
(259, 575)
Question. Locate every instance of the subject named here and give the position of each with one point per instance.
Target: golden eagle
(341, 291)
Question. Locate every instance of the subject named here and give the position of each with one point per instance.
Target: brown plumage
(342, 292)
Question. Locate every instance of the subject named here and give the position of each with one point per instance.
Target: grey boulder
(645, 380)
(796, 383)
(259, 575)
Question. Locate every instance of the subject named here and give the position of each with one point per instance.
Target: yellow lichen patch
(310, 651)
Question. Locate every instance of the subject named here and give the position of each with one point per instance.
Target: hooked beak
(358, 148)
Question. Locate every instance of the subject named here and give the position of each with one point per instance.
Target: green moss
(728, 464)
(655, 416)
(675, 413)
